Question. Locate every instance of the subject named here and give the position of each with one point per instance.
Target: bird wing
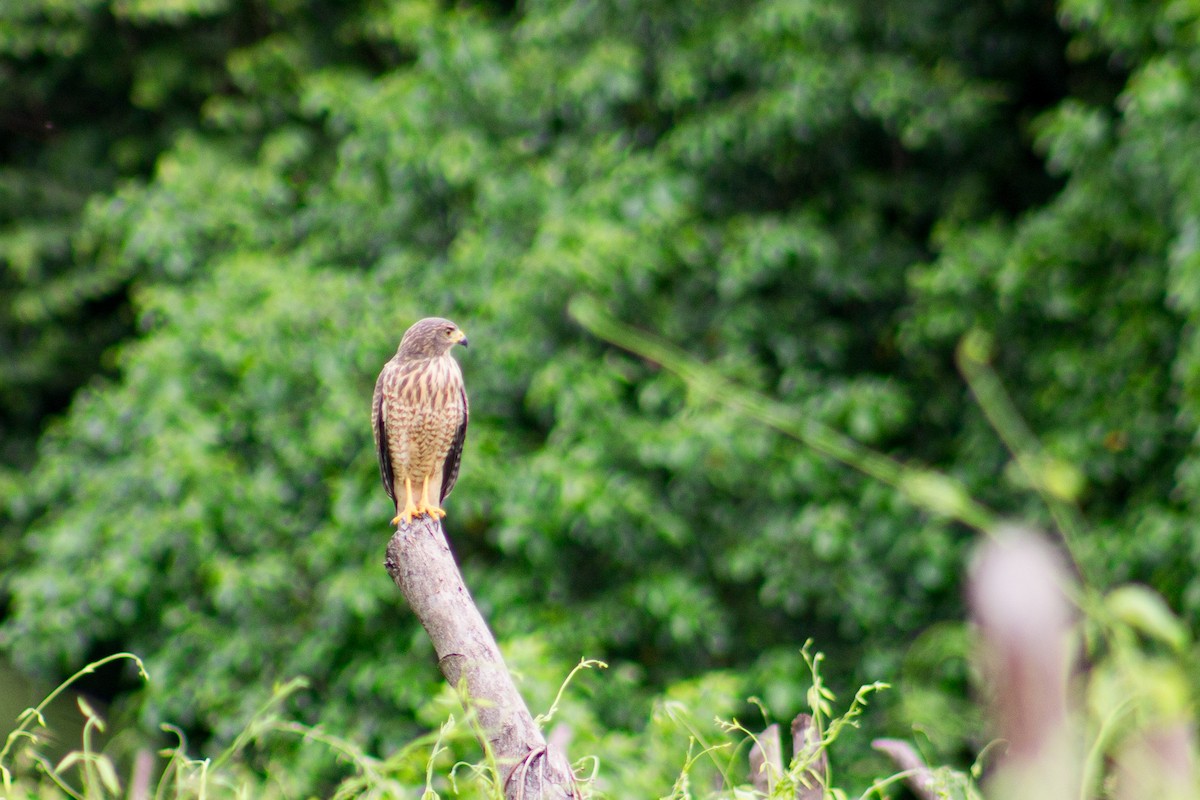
(378, 427)
(454, 454)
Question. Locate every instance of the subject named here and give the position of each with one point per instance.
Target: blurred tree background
(219, 216)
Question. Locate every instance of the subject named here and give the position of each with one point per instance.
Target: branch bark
(1018, 594)
(421, 564)
(805, 740)
(920, 777)
(766, 760)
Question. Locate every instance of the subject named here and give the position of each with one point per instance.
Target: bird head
(429, 338)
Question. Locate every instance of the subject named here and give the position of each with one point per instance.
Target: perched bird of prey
(419, 416)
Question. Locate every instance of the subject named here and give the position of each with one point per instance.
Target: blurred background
(217, 217)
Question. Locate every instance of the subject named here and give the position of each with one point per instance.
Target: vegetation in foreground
(1132, 735)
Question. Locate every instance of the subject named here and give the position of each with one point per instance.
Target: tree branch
(420, 562)
(766, 760)
(920, 777)
(806, 740)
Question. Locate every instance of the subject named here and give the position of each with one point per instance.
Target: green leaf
(1144, 610)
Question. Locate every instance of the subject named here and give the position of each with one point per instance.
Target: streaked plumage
(419, 417)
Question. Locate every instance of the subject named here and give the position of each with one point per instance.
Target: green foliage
(94, 93)
(818, 200)
(442, 763)
(1134, 686)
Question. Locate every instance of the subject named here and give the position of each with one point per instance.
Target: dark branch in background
(806, 740)
(766, 760)
(920, 777)
(1018, 596)
(420, 562)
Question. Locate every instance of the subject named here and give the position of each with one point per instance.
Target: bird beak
(459, 338)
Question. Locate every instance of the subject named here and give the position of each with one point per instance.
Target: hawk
(419, 417)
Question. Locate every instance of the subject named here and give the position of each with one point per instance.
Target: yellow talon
(426, 507)
(410, 509)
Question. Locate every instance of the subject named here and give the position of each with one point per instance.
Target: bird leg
(427, 507)
(410, 508)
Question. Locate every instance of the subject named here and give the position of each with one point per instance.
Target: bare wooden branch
(806, 741)
(920, 777)
(766, 760)
(139, 782)
(420, 562)
(1018, 596)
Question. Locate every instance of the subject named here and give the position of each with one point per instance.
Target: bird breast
(422, 415)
